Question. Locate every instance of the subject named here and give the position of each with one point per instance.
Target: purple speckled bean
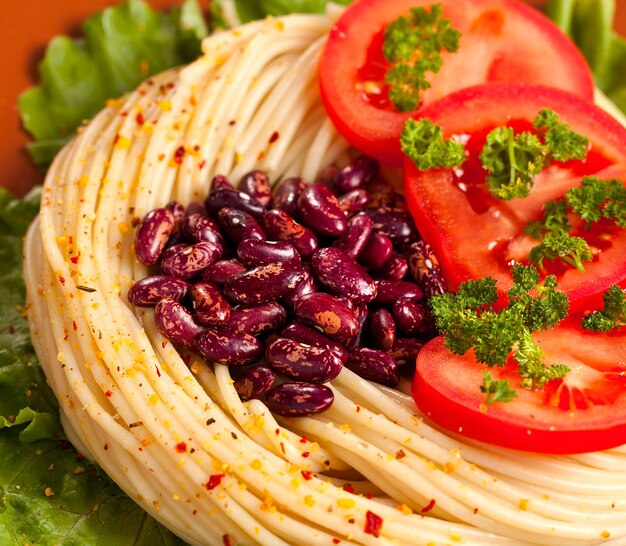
(286, 193)
(253, 252)
(354, 239)
(296, 360)
(327, 177)
(209, 307)
(254, 382)
(357, 174)
(425, 269)
(405, 350)
(361, 313)
(178, 212)
(299, 399)
(320, 211)
(257, 319)
(280, 226)
(222, 270)
(412, 318)
(398, 225)
(220, 182)
(264, 283)
(391, 290)
(196, 208)
(395, 268)
(148, 291)
(377, 251)
(198, 228)
(339, 272)
(188, 261)
(176, 323)
(172, 249)
(257, 185)
(225, 198)
(330, 315)
(374, 365)
(228, 347)
(309, 336)
(305, 286)
(152, 234)
(381, 193)
(382, 329)
(353, 201)
(347, 301)
(239, 225)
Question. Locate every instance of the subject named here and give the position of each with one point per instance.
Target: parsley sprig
(413, 45)
(572, 250)
(469, 320)
(597, 198)
(613, 315)
(497, 391)
(423, 143)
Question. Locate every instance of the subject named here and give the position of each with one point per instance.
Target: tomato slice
(585, 411)
(476, 235)
(502, 40)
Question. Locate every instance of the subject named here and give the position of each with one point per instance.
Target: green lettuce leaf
(121, 47)
(48, 494)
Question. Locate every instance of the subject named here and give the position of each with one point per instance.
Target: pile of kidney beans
(290, 285)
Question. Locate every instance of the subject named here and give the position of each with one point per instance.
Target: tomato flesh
(502, 40)
(476, 235)
(585, 411)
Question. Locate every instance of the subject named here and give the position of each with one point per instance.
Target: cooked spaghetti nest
(171, 429)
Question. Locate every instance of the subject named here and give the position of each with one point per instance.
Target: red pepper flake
(139, 119)
(282, 448)
(169, 85)
(226, 540)
(305, 454)
(429, 506)
(214, 481)
(201, 164)
(157, 370)
(336, 541)
(105, 447)
(74, 259)
(181, 447)
(123, 114)
(373, 524)
(179, 154)
(475, 510)
(304, 440)
(108, 394)
(348, 488)
(261, 155)
(368, 495)
(277, 432)
(62, 280)
(275, 136)
(358, 409)
(306, 474)
(116, 138)
(74, 325)
(400, 454)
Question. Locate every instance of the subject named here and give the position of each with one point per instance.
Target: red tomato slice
(502, 40)
(476, 235)
(585, 411)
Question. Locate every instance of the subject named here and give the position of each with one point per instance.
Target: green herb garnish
(572, 250)
(555, 220)
(597, 198)
(413, 45)
(562, 143)
(497, 391)
(423, 143)
(613, 315)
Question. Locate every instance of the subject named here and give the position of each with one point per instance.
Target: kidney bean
(258, 319)
(173, 249)
(320, 211)
(357, 174)
(298, 399)
(381, 193)
(220, 182)
(222, 270)
(228, 347)
(188, 261)
(309, 336)
(254, 382)
(353, 201)
(327, 177)
(264, 283)
(199, 228)
(305, 286)
(176, 323)
(361, 313)
(282, 227)
(327, 313)
(377, 251)
(425, 269)
(152, 234)
(382, 329)
(348, 302)
(398, 225)
(405, 350)
(304, 362)
(178, 211)
(286, 193)
(411, 318)
(395, 268)
(390, 290)
(343, 275)
(196, 208)
(148, 291)
(210, 308)
(239, 225)
(252, 252)
(257, 185)
(233, 199)
(354, 239)
(374, 365)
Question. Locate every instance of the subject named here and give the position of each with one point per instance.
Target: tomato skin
(446, 388)
(502, 40)
(462, 237)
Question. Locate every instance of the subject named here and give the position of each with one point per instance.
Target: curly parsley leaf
(597, 198)
(612, 316)
(531, 367)
(555, 220)
(572, 250)
(497, 391)
(423, 143)
(563, 143)
(413, 45)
